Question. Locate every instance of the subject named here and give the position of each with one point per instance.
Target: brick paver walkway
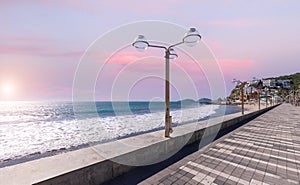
(264, 151)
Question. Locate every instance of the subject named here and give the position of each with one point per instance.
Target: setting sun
(7, 89)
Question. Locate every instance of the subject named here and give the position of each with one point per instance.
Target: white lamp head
(140, 43)
(192, 37)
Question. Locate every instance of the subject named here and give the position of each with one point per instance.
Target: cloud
(16, 50)
(233, 23)
(238, 68)
(38, 51)
(236, 63)
(34, 46)
(242, 69)
(124, 57)
(24, 39)
(98, 7)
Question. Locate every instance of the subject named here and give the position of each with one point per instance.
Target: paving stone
(167, 182)
(228, 181)
(189, 175)
(178, 175)
(185, 178)
(180, 182)
(172, 178)
(219, 182)
(193, 182)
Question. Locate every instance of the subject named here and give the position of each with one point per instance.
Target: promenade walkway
(266, 150)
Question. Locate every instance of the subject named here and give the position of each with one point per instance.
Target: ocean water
(34, 128)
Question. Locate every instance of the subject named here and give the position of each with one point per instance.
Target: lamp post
(272, 98)
(258, 99)
(259, 90)
(266, 95)
(294, 95)
(191, 38)
(242, 85)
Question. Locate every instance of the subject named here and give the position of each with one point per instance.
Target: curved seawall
(103, 162)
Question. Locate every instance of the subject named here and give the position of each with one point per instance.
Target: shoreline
(38, 155)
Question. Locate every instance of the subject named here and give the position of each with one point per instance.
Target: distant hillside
(295, 80)
(205, 100)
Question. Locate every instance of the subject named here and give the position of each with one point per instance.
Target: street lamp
(259, 90)
(191, 38)
(266, 96)
(242, 85)
(259, 98)
(272, 98)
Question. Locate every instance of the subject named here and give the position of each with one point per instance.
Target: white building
(285, 83)
(250, 89)
(269, 83)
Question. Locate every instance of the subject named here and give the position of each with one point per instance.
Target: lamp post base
(168, 128)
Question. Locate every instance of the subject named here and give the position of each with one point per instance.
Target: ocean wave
(38, 137)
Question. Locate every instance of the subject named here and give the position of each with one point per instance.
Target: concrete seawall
(100, 163)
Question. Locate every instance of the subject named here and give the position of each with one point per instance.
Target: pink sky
(41, 42)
